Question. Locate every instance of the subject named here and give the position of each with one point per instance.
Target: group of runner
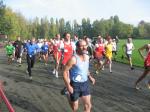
(60, 49)
(73, 56)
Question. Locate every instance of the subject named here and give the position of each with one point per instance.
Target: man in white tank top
(128, 48)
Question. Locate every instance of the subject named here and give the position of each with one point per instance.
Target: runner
(10, 49)
(129, 47)
(89, 51)
(75, 40)
(39, 51)
(57, 53)
(18, 49)
(68, 48)
(45, 50)
(24, 50)
(108, 53)
(114, 49)
(99, 54)
(31, 53)
(90, 47)
(78, 86)
(146, 65)
(117, 42)
(50, 44)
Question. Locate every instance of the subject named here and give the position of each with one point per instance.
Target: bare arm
(91, 78)
(68, 66)
(141, 49)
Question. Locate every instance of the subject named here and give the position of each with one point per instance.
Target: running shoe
(30, 77)
(17, 60)
(96, 72)
(103, 68)
(54, 71)
(137, 87)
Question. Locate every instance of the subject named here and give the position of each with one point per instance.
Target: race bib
(65, 50)
(78, 78)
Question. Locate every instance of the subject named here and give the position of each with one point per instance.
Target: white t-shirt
(40, 44)
(114, 46)
(129, 48)
(58, 43)
(72, 44)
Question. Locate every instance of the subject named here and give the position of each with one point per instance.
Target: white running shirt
(129, 48)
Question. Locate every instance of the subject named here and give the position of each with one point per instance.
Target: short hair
(78, 43)
(64, 35)
(57, 35)
(75, 35)
(108, 38)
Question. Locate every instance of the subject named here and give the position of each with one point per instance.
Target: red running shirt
(56, 49)
(99, 51)
(68, 52)
(147, 60)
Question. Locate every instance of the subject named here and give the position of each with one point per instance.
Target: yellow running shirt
(108, 51)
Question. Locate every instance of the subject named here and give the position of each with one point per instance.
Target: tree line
(15, 24)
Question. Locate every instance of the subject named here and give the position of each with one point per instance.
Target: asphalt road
(113, 92)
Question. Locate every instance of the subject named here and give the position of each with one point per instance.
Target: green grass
(136, 58)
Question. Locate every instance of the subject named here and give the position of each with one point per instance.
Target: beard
(83, 52)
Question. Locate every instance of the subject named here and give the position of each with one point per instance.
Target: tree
(126, 30)
(86, 27)
(141, 29)
(68, 27)
(57, 26)
(44, 28)
(116, 29)
(61, 26)
(2, 13)
(75, 27)
(11, 24)
(135, 32)
(144, 29)
(116, 19)
(14, 24)
(53, 28)
(147, 28)
(35, 28)
(23, 31)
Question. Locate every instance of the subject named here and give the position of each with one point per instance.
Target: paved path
(113, 92)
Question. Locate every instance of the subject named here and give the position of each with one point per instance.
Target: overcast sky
(129, 11)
